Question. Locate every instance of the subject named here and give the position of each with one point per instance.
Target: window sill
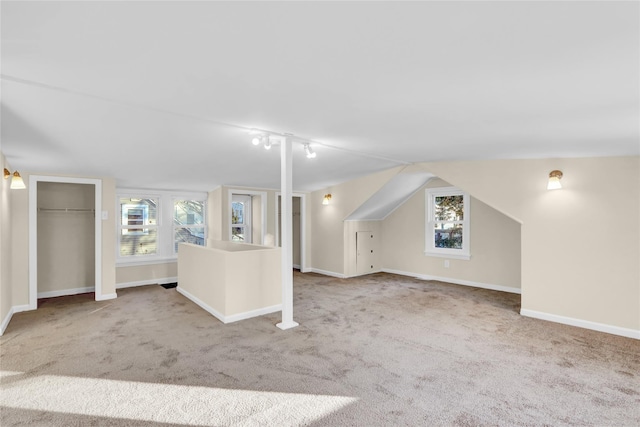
(145, 261)
(465, 257)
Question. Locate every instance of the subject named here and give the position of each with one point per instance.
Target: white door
(365, 243)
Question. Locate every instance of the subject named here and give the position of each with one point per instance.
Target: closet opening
(65, 237)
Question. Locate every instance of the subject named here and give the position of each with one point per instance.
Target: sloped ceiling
(391, 195)
(162, 94)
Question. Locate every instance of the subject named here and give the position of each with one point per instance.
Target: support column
(286, 209)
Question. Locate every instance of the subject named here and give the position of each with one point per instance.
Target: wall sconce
(16, 182)
(325, 200)
(554, 180)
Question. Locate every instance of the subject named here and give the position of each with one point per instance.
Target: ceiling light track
(265, 138)
(41, 85)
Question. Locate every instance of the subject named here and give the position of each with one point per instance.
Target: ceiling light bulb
(267, 144)
(255, 140)
(310, 153)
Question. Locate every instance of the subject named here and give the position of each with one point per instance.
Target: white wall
(495, 244)
(146, 274)
(580, 245)
(214, 214)
(20, 240)
(327, 221)
(216, 277)
(221, 206)
(5, 247)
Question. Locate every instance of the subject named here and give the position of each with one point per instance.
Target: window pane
(448, 236)
(138, 211)
(237, 213)
(237, 234)
(138, 241)
(193, 235)
(188, 212)
(449, 208)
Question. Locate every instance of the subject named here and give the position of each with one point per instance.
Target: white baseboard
(586, 324)
(215, 313)
(160, 281)
(13, 310)
(64, 292)
(456, 281)
(253, 313)
(363, 274)
(326, 273)
(234, 317)
(105, 297)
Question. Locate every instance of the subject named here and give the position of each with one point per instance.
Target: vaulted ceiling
(162, 94)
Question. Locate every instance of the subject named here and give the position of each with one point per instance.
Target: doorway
(58, 211)
(297, 211)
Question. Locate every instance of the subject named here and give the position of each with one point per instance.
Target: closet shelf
(65, 210)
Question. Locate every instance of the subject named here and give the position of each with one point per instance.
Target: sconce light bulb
(16, 182)
(554, 180)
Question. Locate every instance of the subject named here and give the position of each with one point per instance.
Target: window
(135, 215)
(447, 225)
(151, 226)
(138, 226)
(241, 218)
(188, 222)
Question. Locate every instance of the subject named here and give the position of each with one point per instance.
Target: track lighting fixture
(264, 137)
(310, 153)
(16, 182)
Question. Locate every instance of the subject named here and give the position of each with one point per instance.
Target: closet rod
(65, 210)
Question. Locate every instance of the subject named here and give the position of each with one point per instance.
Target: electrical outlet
(446, 263)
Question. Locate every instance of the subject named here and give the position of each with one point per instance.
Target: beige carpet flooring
(380, 350)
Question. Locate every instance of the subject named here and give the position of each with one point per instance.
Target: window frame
(430, 249)
(246, 224)
(165, 228)
(175, 227)
(259, 221)
(120, 227)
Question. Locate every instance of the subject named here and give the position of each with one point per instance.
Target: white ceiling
(161, 94)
